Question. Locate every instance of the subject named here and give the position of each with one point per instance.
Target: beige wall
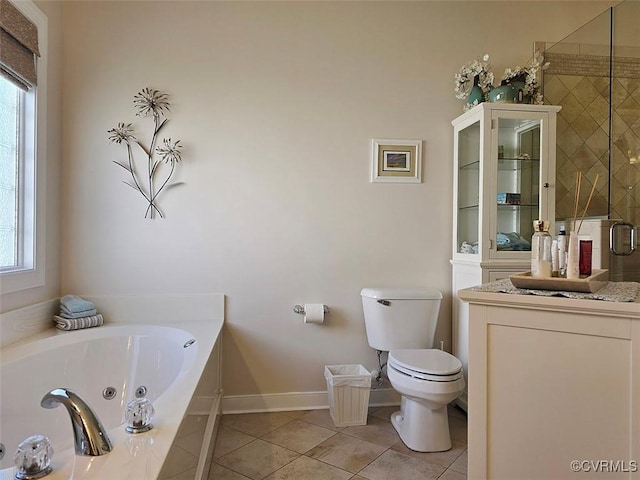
(276, 104)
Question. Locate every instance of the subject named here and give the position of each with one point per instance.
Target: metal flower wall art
(160, 157)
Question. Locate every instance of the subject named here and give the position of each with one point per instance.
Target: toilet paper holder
(300, 309)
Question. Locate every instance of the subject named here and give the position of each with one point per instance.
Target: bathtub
(164, 359)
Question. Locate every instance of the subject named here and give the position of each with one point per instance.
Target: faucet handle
(33, 458)
(138, 415)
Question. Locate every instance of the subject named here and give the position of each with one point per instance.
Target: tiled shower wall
(579, 82)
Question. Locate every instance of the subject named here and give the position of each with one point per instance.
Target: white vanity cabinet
(504, 176)
(554, 385)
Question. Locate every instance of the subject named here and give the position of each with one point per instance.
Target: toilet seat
(426, 364)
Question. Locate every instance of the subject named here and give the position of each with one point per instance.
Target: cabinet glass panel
(518, 183)
(468, 189)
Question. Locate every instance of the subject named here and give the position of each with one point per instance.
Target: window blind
(18, 46)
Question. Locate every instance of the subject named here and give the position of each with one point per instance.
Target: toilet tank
(400, 318)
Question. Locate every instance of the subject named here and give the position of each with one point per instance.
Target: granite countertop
(611, 292)
(617, 299)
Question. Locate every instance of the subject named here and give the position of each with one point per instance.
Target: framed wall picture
(397, 161)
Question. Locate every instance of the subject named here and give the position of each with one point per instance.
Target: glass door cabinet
(504, 170)
(504, 177)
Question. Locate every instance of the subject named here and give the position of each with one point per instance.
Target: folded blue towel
(64, 309)
(512, 241)
(85, 313)
(502, 239)
(75, 304)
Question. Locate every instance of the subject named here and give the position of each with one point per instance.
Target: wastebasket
(348, 387)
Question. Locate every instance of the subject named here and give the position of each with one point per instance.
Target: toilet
(403, 322)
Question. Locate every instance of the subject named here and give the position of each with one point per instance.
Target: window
(16, 178)
(22, 150)
(10, 99)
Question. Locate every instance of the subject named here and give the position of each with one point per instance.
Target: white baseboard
(279, 402)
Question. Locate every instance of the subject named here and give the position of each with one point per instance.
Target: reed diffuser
(573, 255)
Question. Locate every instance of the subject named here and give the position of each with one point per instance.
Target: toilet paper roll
(313, 313)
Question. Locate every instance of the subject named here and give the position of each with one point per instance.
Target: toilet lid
(428, 362)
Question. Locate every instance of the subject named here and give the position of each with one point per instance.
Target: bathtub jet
(90, 437)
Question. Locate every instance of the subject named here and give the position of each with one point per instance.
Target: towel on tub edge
(85, 313)
(77, 323)
(75, 304)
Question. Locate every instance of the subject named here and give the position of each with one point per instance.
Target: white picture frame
(396, 161)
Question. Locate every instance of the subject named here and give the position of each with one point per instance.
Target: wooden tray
(590, 284)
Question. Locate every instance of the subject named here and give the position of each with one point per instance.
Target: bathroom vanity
(554, 387)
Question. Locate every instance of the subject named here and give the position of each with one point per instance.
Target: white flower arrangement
(528, 75)
(477, 72)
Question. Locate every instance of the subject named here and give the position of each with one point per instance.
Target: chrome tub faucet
(90, 436)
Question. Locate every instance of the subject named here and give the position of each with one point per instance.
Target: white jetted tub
(167, 360)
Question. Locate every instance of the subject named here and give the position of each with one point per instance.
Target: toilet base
(420, 428)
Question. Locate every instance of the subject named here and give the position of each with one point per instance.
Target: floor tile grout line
(446, 467)
(316, 459)
(262, 440)
(458, 456)
(352, 474)
(301, 454)
(237, 448)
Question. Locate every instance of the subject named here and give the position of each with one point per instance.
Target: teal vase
(475, 96)
(503, 94)
(511, 91)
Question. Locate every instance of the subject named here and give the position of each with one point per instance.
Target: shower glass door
(624, 172)
(594, 74)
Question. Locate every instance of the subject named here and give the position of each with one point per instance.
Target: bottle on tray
(541, 250)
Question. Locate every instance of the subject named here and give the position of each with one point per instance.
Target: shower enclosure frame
(594, 74)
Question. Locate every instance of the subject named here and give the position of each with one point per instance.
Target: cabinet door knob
(546, 185)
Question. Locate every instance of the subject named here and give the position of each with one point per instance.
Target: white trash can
(348, 387)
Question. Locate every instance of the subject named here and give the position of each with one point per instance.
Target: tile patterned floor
(305, 445)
